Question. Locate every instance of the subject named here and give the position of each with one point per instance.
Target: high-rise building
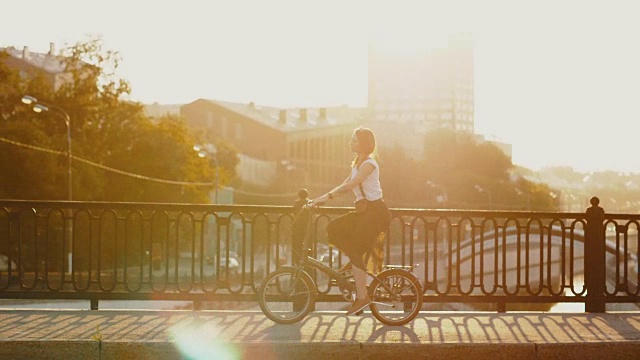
(410, 94)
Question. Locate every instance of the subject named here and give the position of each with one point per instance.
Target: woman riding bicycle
(355, 232)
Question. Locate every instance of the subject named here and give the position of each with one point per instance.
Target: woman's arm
(348, 184)
(365, 170)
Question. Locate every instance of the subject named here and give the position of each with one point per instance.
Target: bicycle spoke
(409, 285)
(286, 298)
(396, 297)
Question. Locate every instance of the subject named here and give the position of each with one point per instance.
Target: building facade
(305, 147)
(29, 64)
(410, 94)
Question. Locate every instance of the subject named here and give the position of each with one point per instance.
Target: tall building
(410, 94)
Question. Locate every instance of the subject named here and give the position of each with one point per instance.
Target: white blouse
(370, 185)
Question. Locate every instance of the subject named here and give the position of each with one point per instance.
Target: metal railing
(139, 251)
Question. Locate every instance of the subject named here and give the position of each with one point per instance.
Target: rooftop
(293, 119)
(49, 62)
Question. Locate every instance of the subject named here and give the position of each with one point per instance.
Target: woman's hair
(367, 142)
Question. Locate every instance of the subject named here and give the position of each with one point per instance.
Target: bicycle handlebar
(310, 204)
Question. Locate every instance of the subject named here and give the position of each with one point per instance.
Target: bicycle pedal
(347, 274)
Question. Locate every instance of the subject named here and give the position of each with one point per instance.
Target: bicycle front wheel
(286, 297)
(397, 297)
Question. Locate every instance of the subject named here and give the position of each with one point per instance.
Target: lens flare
(202, 341)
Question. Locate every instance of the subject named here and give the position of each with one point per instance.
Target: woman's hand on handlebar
(320, 200)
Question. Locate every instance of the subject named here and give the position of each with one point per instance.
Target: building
(156, 110)
(30, 64)
(302, 147)
(410, 94)
(503, 146)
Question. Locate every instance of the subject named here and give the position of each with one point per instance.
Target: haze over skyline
(556, 79)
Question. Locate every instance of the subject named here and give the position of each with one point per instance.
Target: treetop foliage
(459, 171)
(106, 128)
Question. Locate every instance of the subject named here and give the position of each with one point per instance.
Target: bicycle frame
(343, 281)
(308, 261)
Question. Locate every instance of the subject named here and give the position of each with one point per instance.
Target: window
(209, 119)
(238, 131)
(223, 126)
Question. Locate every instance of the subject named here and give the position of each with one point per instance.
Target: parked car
(4, 264)
(325, 253)
(234, 264)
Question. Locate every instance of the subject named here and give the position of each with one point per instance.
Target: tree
(459, 171)
(106, 129)
(403, 179)
(477, 174)
(27, 174)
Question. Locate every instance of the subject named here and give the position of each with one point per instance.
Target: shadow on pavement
(242, 327)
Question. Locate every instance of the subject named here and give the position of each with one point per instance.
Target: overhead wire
(137, 176)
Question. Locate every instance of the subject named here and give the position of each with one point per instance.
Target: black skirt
(355, 234)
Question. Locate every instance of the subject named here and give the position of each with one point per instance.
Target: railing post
(594, 258)
(298, 231)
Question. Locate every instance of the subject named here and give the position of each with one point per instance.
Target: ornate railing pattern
(140, 251)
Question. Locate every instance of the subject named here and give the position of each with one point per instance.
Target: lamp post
(521, 193)
(288, 167)
(202, 153)
(40, 107)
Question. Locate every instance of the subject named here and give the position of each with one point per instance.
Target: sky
(559, 80)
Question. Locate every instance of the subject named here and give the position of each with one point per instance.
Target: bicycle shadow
(386, 333)
(323, 326)
(279, 332)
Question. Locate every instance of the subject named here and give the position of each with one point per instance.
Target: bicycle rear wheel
(285, 297)
(397, 297)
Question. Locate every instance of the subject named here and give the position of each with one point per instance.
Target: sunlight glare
(198, 342)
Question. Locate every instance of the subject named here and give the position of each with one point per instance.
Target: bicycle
(288, 294)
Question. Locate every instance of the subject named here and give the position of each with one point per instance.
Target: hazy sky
(560, 80)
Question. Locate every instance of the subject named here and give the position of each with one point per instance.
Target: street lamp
(40, 107)
(288, 168)
(202, 153)
(522, 193)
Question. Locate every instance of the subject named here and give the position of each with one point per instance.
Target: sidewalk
(65, 334)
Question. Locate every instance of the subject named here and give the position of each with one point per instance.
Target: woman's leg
(341, 231)
(360, 278)
(362, 298)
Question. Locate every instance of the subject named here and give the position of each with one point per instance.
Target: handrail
(202, 252)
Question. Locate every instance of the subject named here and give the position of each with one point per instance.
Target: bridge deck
(72, 334)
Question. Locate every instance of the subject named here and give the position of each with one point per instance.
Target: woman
(355, 233)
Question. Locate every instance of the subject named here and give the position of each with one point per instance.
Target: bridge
(226, 335)
(215, 256)
(204, 253)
